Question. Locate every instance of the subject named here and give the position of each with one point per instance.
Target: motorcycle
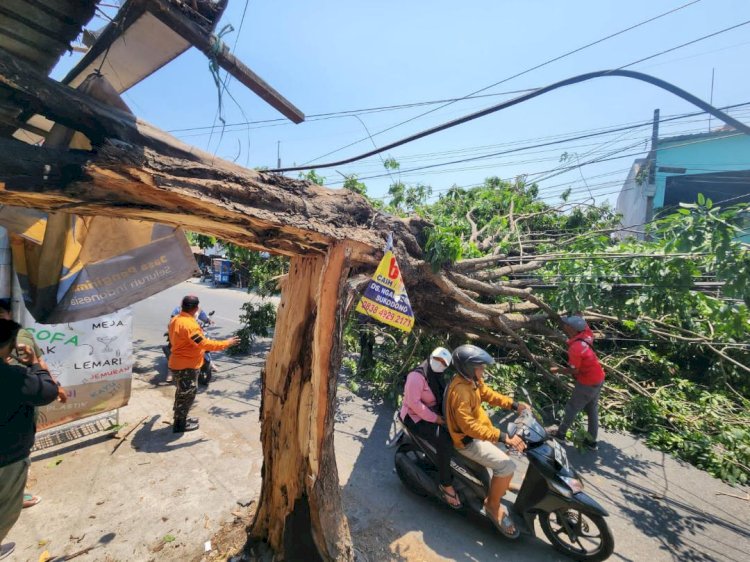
(207, 369)
(552, 490)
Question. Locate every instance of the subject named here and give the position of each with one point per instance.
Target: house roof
(724, 131)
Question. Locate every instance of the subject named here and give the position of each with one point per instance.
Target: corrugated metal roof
(39, 32)
(725, 131)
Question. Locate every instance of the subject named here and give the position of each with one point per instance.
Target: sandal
(505, 524)
(447, 497)
(30, 500)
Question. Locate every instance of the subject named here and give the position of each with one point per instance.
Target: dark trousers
(438, 436)
(584, 398)
(186, 388)
(12, 483)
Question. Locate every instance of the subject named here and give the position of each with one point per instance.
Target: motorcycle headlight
(573, 483)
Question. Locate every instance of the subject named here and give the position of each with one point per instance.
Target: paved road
(159, 484)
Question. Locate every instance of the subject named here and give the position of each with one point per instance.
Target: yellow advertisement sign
(385, 297)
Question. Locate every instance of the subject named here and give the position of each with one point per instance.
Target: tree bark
(300, 515)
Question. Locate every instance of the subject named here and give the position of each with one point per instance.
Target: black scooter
(551, 490)
(207, 369)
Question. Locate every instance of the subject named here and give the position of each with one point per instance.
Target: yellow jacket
(188, 343)
(464, 414)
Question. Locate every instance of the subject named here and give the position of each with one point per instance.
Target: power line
(557, 141)
(351, 112)
(714, 34)
(528, 70)
(526, 97)
(605, 158)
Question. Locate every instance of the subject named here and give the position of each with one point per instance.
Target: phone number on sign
(385, 314)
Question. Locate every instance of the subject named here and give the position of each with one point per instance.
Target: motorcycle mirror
(211, 313)
(526, 394)
(512, 429)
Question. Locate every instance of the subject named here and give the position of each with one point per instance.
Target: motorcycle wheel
(581, 536)
(204, 377)
(406, 455)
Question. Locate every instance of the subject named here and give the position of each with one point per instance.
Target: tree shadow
(250, 393)
(218, 411)
(349, 406)
(685, 531)
(152, 439)
(150, 363)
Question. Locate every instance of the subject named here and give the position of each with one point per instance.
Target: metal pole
(278, 154)
(713, 71)
(651, 189)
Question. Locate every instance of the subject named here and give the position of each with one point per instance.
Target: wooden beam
(215, 49)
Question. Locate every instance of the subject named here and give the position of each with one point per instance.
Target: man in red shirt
(584, 365)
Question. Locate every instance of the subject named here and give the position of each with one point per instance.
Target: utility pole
(278, 154)
(713, 70)
(650, 190)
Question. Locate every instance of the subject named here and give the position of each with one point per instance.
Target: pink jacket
(418, 399)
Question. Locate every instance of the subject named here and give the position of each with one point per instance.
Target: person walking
(188, 346)
(584, 366)
(22, 388)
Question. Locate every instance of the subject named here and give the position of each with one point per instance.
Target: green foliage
(313, 177)
(670, 384)
(394, 355)
(443, 247)
(390, 163)
(203, 241)
(256, 321)
(259, 271)
(352, 184)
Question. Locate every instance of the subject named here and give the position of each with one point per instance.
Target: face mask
(437, 366)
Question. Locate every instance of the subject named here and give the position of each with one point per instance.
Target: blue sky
(332, 56)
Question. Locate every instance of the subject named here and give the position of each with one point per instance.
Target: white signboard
(92, 360)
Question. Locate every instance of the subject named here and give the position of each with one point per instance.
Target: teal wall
(701, 154)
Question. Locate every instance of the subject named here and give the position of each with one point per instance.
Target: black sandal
(454, 496)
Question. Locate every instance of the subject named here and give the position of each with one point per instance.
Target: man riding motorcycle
(473, 434)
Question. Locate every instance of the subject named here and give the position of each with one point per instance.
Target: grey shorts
(489, 455)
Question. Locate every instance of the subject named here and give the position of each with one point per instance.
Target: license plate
(561, 456)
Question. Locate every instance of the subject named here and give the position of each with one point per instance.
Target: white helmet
(440, 359)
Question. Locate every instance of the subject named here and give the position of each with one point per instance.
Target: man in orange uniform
(188, 346)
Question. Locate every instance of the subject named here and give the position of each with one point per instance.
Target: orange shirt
(188, 343)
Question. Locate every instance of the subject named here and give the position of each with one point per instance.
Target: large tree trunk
(300, 514)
